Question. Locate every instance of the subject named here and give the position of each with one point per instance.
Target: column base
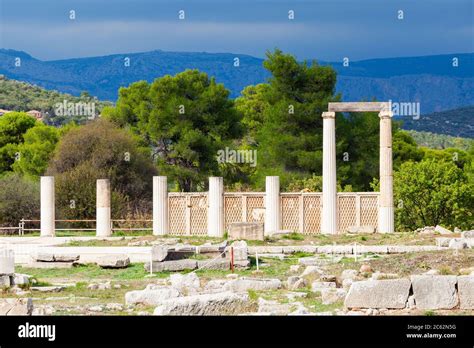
(48, 234)
(103, 222)
(386, 220)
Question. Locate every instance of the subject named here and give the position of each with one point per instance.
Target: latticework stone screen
(300, 212)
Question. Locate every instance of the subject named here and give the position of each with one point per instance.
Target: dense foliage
(177, 125)
(100, 150)
(440, 141)
(19, 199)
(185, 119)
(433, 192)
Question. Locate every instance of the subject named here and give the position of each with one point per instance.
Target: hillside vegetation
(440, 141)
(23, 96)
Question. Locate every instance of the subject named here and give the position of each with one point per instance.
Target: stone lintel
(359, 106)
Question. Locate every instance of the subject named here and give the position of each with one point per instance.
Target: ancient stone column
(215, 212)
(160, 205)
(329, 211)
(104, 228)
(386, 211)
(7, 261)
(272, 205)
(47, 206)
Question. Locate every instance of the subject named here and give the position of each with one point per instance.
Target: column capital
(385, 114)
(328, 114)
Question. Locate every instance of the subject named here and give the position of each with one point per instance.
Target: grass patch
(253, 295)
(294, 236)
(82, 272)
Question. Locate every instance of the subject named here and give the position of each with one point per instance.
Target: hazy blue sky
(323, 29)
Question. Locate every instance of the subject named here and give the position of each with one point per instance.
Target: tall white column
(47, 206)
(103, 214)
(215, 212)
(160, 205)
(272, 205)
(386, 210)
(329, 211)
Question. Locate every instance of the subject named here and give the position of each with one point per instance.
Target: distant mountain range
(457, 122)
(430, 80)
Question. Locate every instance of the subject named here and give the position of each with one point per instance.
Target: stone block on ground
(164, 252)
(66, 257)
(49, 265)
(364, 249)
(467, 234)
(311, 261)
(172, 266)
(16, 306)
(151, 296)
(458, 243)
(425, 230)
(295, 282)
(466, 292)
(47, 288)
(332, 295)
(443, 241)
(442, 230)
(246, 231)
(246, 264)
(381, 276)
(361, 229)
(113, 261)
(435, 291)
(100, 286)
(265, 249)
(43, 257)
(312, 271)
(391, 293)
(245, 284)
(222, 303)
(5, 281)
(273, 307)
(186, 284)
(319, 286)
(219, 264)
(215, 285)
(240, 250)
(213, 250)
(327, 278)
(346, 283)
(349, 274)
(159, 252)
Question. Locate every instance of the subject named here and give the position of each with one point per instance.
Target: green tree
(431, 193)
(252, 104)
(185, 119)
(404, 148)
(36, 150)
(13, 126)
(100, 150)
(287, 117)
(459, 157)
